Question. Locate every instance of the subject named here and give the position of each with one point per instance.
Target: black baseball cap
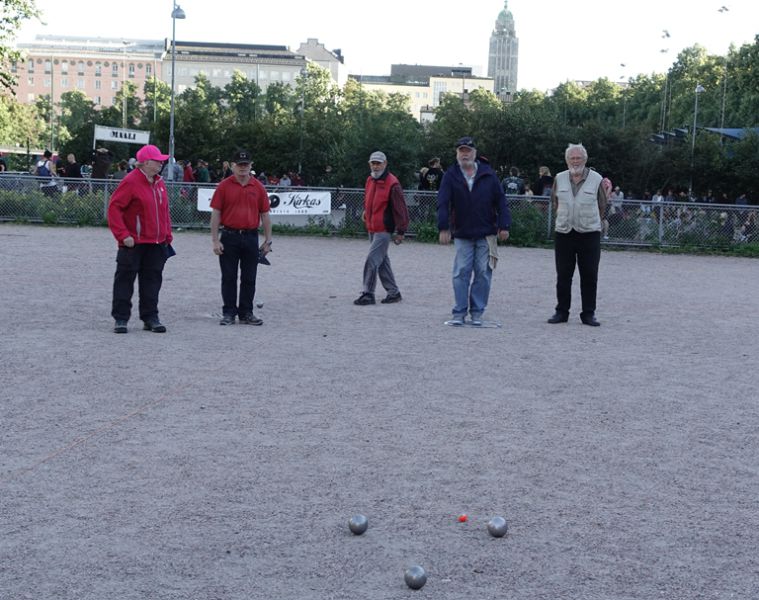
(242, 156)
(466, 141)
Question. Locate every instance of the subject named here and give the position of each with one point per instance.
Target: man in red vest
(386, 218)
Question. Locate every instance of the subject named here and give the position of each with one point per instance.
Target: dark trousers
(240, 251)
(145, 262)
(583, 250)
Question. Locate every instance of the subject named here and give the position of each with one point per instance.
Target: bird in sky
(666, 33)
(664, 50)
(723, 9)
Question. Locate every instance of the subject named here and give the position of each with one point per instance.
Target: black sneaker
(250, 319)
(155, 326)
(120, 327)
(364, 299)
(227, 320)
(392, 299)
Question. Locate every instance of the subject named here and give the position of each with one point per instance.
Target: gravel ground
(224, 463)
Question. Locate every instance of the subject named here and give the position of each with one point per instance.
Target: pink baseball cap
(150, 152)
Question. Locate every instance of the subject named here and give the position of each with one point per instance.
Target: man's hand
(218, 248)
(398, 238)
(444, 237)
(265, 247)
(503, 235)
(129, 242)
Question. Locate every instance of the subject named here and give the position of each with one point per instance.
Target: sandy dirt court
(224, 462)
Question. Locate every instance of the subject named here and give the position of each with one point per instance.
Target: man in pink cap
(139, 219)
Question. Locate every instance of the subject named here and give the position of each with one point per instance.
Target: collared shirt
(240, 205)
(470, 179)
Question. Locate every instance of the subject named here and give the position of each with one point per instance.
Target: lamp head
(177, 13)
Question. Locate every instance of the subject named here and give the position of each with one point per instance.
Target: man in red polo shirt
(239, 204)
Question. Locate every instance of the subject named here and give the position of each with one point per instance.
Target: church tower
(504, 54)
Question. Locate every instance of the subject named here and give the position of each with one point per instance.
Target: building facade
(260, 63)
(331, 60)
(425, 85)
(98, 67)
(503, 59)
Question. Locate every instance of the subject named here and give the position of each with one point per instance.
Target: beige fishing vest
(577, 212)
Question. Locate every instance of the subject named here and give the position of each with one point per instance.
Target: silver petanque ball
(415, 577)
(358, 524)
(497, 527)
(259, 304)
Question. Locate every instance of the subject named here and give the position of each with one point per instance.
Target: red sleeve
(263, 203)
(120, 200)
(217, 200)
(400, 211)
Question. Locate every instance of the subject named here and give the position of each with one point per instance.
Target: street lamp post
(176, 13)
(699, 89)
(123, 88)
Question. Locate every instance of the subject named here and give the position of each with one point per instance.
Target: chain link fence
(26, 198)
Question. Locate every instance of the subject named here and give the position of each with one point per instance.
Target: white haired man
(579, 201)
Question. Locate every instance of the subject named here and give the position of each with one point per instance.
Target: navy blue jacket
(475, 214)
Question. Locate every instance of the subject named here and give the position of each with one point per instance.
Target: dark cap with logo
(242, 156)
(465, 141)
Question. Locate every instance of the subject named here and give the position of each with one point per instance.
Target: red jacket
(384, 206)
(140, 209)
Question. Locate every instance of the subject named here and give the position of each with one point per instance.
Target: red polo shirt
(240, 205)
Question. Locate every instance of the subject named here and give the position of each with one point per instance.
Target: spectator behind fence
(202, 174)
(240, 204)
(386, 218)
(139, 219)
(472, 209)
(578, 200)
(432, 176)
(101, 163)
(121, 170)
(513, 185)
(46, 170)
(544, 184)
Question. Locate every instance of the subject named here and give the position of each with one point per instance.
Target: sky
(559, 40)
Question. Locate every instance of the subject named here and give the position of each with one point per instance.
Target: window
(64, 82)
(14, 67)
(48, 67)
(286, 75)
(274, 75)
(98, 84)
(65, 68)
(30, 97)
(263, 74)
(131, 69)
(80, 68)
(47, 82)
(80, 84)
(30, 66)
(98, 100)
(148, 70)
(98, 69)
(114, 85)
(30, 80)
(115, 69)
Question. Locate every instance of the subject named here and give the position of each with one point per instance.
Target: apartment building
(98, 67)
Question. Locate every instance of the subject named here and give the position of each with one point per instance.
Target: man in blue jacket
(471, 207)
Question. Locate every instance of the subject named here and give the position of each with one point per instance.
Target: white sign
(129, 136)
(282, 203)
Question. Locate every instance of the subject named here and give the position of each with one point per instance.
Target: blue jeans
(471, 293)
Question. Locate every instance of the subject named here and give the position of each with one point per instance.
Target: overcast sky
(559, 40)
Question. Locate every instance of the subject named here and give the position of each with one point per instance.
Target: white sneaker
(476, 321)
(458, 321)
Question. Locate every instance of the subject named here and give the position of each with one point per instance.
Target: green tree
(14, 13)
